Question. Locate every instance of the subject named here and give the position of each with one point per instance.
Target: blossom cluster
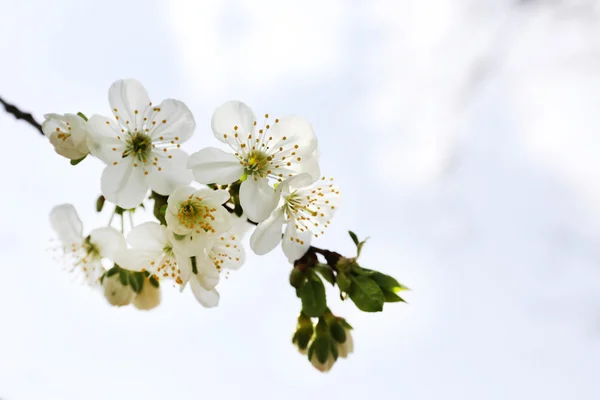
(265, 171)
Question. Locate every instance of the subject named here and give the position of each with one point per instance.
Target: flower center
(139, 145)
(256, 163)
(295, 204)
(196, 214)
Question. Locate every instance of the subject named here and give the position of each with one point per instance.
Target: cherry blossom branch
(18, 114)
(309, 258)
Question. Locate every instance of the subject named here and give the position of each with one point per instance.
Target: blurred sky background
(465, 136)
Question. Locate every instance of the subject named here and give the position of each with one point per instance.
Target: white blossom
(85, 254)
(271, 153)
(141, 145)
(306, 209)
(68, 134)
(156, 250)
(197, 214)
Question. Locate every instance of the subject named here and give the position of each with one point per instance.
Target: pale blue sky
(482, 196)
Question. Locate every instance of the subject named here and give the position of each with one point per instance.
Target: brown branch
(18, 114)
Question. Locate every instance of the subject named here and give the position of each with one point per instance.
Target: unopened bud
(115, 292)
(148, 298)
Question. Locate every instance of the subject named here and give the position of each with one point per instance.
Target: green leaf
(154, 282)
(82, 115)
(354, 237)
(136, 281)
(313, 298)
(163, 210)
(343, 282)
(360, 246)
(124, 277)
(159, 202)
(75, 162)
(194, 266)
(326, 272)
(387, 282)
(112, 271)
(392, 297)
(100, 203)
(297, 278)
(366, 294)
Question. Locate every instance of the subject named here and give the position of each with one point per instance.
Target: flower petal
(296, 131)
(124, 185)
(295, 244)
(208, 274)
(174, 122)
(103, 134)
(227, 117)
(173, 173)
(258, 199)
(208, 298)
(228, 252)
(128, 101)
(148, 236)
(108, 240)
(139, 259)
(212, 165)
(65, 221)
(267, 234)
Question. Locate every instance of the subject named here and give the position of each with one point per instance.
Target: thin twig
(18, 114)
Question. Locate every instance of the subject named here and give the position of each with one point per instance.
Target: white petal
(108, 240)
(267, 234)
(230, 115)
(65, 221)
(123, 184)
(295, 243)
(174, 122)
(179, 196)
(212, 165)
(127, 96)
(217, 197)
(148, 236)
(295, 182)
(258, 199)
(193, 245)
(228, 251)
(208, 274)
(297, 131)
(103, 138)
(139, 259)
(208, 298)
(173, 174)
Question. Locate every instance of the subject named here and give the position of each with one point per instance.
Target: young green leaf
(82, 115)
(354, 237)
(313, 297)
(326, 272)
(136, 281)
(343, 282)
(75, 162)
(100, 203)
(392, 297)
(366, 294)
(387, 282)
(360, 246)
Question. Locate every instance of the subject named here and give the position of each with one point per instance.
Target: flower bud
(347, 346)
(323, 351)
(68, 134)
(115, 292)
(148, 298)
(304, 333)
